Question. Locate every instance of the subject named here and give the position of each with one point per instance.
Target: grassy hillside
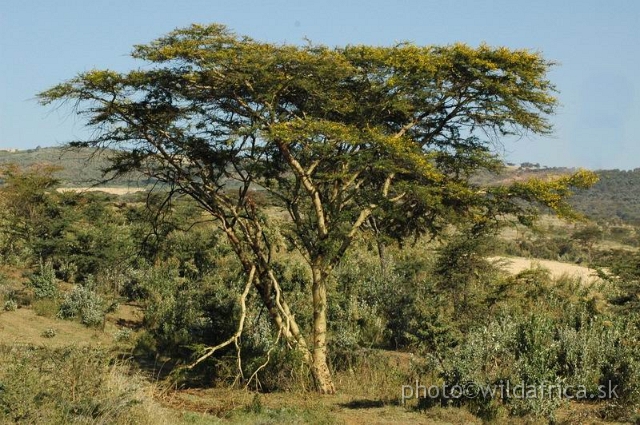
(616, 197)
(79, 167)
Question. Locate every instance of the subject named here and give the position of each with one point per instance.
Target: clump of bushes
(70, 385)
(84, 303)
(44, 282)
(10, 305)
(538, 331)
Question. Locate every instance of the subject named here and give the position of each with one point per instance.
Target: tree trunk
(283, 319)
(269, 290)
(319, 367)
(270, 293)
(381, 245)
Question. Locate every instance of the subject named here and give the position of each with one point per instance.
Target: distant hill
(513, 173)
(615, 197)
(80, 168)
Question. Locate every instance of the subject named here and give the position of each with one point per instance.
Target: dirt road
(517, 264)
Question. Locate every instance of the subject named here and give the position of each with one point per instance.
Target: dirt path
(517, 264)
(111, 190)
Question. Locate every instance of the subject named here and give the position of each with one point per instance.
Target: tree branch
(236, 336)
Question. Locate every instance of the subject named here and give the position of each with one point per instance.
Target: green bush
(533, 350)
(182, 315)
(49, 333)
(44, 282)
(83, 303)
(10, 305)
(69, 386)
(529, 330)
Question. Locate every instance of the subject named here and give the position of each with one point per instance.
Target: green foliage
(71, 385)
(624, 272)
(181, 314)
(386, 127)
(588, 235)
(615, 198)
(84, 303)
(44, 282)
(537, 331)
(285, 370)
(78, 234)
(532, 351)
(94, 240)
(10, 305)
(28, 215)
(360, 310)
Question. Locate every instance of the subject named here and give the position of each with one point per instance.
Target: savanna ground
(366, 395)
(123, 363)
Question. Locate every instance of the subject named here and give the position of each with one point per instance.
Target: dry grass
(25, 327)
(74, 385)
(235, 406)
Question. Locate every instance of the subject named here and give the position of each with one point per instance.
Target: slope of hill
(616, 197)
(79, 167)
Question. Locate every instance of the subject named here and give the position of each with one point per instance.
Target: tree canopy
(343, 138)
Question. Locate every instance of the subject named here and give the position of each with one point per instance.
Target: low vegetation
(438, 312)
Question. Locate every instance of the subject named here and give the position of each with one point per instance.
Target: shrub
(10, 305)
(44, 282)
(85, 304)
(535, 350)
(285, 371)
(122, 335)
(70, 385)
(49, 333)
(181, 316)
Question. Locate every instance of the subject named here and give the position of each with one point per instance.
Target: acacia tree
(339, 137)
(29, 215)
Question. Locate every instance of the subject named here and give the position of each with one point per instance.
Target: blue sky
(597, 45)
